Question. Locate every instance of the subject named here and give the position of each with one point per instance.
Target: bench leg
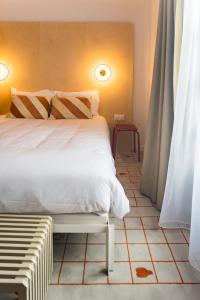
(110, 247)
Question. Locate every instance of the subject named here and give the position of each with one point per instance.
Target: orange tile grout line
(149, 251)
(184, 237)
(124, 243)
(129, 257)
(63, 256)
(117, 261)
(84, 265)
(173, 256)
(128, 283)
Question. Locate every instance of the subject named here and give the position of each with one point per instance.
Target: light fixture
(3, 71)
(103, 72)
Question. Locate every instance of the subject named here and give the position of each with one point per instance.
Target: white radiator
(26, 255)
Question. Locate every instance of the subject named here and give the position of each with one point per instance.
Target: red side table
(135, 134)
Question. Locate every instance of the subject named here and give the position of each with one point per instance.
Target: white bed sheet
(58, 166)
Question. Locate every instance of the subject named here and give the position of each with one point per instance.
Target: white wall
(142, 13)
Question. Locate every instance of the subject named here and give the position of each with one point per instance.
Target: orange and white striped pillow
(30, 106)
(71, 107)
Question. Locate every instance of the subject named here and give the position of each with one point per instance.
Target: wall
(64, 55)
(142, 13)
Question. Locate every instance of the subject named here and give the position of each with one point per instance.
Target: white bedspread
(58, 166)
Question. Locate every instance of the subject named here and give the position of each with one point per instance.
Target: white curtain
(181, 205)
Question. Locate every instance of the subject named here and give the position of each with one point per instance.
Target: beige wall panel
(64, 55)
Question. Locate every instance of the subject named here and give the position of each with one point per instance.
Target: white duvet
(58, 166)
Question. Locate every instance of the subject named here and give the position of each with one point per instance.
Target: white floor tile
(58, 251)
(122, 273)
(188, 273)
(174, 236)
(59, 238)
(121, 169)
(124, 179)
(186, 234)
(119, 224)
(180, 251)
(96, 253)
(129, 193)
(128, 185)
(139, 252)
(125, 292)
(96, 238)
(143, 201)
(160, 252)
(155, 236)
(138, 194)
(77, 238)
(55, 274)
(150, 222)
(120, 236)
(95, 273)
(74, 252)
(167, 272)
(132, 201)
(72, 273)
(121, 253)
(136, 236)
(133, 223)
(144, 211)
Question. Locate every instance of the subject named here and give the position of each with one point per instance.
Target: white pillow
(48, 93)
(93, 96)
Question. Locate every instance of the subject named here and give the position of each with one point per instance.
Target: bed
(62, 168)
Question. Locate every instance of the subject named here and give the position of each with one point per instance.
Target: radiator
(26, 255)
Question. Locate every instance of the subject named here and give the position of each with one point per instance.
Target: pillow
(70, 107)
(93, 96)
(47, 93)
(30, 105)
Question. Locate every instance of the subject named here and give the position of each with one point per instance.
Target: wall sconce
(103, 72)
(4, 72)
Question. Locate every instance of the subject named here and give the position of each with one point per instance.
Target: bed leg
(110, 247)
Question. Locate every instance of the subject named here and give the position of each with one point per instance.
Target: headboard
(63, 56)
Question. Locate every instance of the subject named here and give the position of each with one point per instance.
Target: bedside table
(135, 136)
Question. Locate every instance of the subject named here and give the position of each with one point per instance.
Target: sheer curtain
(181, 205)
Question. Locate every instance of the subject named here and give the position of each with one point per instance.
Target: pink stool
(130, 128)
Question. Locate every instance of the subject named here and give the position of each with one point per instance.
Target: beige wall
(63, 56)
(142, 13)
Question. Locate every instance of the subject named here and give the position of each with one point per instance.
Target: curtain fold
(181, 205)
(178, 42)
(160, 121)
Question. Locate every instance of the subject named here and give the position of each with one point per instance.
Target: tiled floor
(141, 246)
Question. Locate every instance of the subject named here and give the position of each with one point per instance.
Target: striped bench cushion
(30, 106)
(71, 108)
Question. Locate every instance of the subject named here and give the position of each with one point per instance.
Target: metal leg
(134, 142)
(110, 247)
(138, 140)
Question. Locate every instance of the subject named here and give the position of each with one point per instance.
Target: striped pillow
(71, 108)
(30, 106)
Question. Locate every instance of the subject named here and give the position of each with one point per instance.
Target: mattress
(58, 166)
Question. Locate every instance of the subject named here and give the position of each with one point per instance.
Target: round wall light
(103, 72)
(3, 71)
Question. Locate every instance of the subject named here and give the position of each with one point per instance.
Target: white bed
(60, 167)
